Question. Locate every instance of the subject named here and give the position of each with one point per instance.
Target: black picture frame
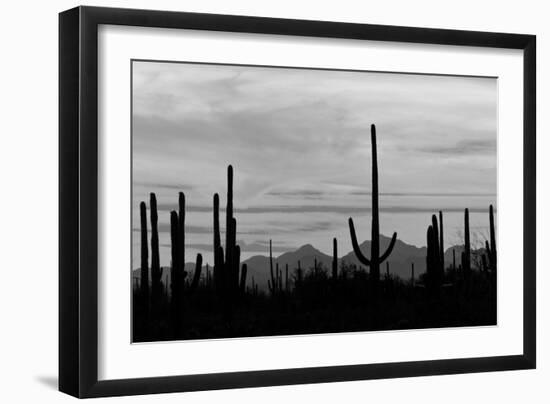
(78, 201)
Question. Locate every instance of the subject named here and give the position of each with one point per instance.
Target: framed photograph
(251, 201)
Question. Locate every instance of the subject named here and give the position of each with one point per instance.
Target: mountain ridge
(400, 260)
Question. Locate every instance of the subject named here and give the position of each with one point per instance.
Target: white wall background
(28, 205)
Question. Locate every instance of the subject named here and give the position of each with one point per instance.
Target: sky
(299, 143)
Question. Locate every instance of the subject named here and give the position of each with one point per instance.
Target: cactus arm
(364, 260)
(389, 249)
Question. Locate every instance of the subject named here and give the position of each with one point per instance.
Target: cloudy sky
(299, 142)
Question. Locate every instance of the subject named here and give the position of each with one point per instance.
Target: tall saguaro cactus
(334, 259)
(218, 249)
(491, 246)
(178, 272)
(156, 270)
(273, 284)
(176, 277)
(375, 259)
(181, 231)
(466, 261)
(226, 269)
(433, 258)
(441, 247)
(144, 256)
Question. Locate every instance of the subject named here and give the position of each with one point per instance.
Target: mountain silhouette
(400, 260)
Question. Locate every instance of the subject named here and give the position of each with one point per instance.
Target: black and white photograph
(270, 201)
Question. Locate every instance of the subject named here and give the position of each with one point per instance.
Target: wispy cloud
(245, 247)
(464, 147)
(159, 184)
(341, 209)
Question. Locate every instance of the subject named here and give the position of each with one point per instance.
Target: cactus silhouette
(434, 268)
(144, 287)
(181, 233)
(492, 246)
(226, 271)
(376, 259)
(466, 261)
(273, 284)
(178, 272)
(441, 247)
(334, 259)
(156, 270)
(175, 275)
(431, 263)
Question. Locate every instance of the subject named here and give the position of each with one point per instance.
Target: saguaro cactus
(144, 256)
(156, 270)
(466, 261)
(181, 231)
(334, 259)
(273, 284)
(492, 246)
(178, 272)
(376, 259)
(431, 259)
(175, 275)
(218, 249)
(226, 271)
(438, 251)
(441, 247)
(434, 267)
